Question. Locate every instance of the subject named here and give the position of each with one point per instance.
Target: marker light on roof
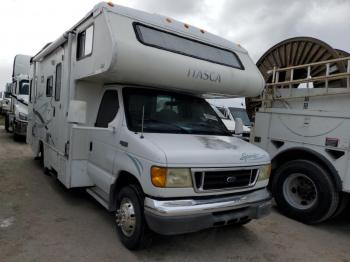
(202, 31)
(110, 4)
(168, 20)
(186, 26)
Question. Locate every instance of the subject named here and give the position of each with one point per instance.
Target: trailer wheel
(131, 224)
(304, 191)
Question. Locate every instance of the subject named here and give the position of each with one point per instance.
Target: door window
(49, 86)
(108, 108)
(58, 82)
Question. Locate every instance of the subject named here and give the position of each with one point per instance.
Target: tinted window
(85, 42)
(58, 82)
(108, 108)
(49, 86)
(184, 46)
(23, 87)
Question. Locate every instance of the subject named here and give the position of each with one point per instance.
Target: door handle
(90, 147)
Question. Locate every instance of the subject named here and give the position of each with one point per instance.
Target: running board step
(99, 198)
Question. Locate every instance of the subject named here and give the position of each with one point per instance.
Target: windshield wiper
(167, 123)
(218, 129)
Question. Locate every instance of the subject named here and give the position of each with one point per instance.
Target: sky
(26, 26)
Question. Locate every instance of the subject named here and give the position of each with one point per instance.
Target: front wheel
(303, 190)
(131, 225)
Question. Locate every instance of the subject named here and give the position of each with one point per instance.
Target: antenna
(142, 120)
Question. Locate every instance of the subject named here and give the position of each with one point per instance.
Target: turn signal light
(158, 176)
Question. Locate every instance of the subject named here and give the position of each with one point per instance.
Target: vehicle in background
(6, 100)
(117, 107)
(16, 119)
(303, 121)
(231, 114)
(229, 124)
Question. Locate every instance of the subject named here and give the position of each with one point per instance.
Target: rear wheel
(304, 191)
(131, 225)
(343, 203)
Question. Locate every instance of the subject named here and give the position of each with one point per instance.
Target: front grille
(227, 179)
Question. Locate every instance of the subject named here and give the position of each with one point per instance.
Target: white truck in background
(304, 122)
(16, 119)
(117, 106)
(6, 100)
(230, 115)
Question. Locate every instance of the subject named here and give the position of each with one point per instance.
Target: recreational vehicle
(118, 107)
(16, 118)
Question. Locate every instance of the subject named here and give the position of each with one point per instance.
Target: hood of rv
(207, 151)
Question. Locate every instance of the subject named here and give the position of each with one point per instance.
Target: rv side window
(49, 86)
(58, 82)
(108, 108)
(185, 46)
(85, 42)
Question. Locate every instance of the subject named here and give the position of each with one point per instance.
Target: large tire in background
(303, 190)
(131, 224)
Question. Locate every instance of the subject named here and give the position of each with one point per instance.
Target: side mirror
(77, 112)
(238, 126)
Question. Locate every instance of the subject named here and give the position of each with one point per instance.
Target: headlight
(171, 177)
(22, 116)
(264, 172)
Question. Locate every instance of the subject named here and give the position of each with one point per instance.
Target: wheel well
(308, 154)
(124, 179)
(40, 148)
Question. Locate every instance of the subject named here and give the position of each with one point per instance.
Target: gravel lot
(40, 220)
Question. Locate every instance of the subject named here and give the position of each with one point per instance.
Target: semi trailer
(118, 107)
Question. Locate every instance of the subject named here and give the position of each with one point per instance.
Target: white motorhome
(117, 107)
(16, 118)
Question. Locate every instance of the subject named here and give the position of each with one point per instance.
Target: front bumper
(20, 127)
(170, 217)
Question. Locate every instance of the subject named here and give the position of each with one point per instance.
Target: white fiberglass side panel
(102, 50)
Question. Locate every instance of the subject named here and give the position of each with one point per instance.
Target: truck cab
(17, 116)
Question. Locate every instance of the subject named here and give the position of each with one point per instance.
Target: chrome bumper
(190, 215)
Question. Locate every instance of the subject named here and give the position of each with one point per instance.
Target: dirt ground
(40, 220)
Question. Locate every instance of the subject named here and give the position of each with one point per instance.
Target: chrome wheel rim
(125, 217)
(300, 191)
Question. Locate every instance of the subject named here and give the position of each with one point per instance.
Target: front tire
(303, 190)
(131, 224)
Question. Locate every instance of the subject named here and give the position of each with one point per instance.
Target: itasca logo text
(204, 75)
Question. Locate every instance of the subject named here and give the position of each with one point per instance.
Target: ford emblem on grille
(231, 179)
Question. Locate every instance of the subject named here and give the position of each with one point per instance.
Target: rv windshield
(23, 87)
(240, 113)
(168, 112)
